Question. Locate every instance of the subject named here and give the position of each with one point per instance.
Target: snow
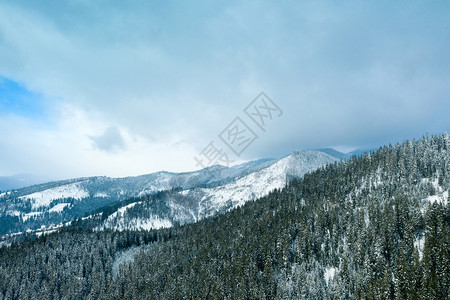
(59, 207)
(13, 213)
(262, 182)
(151, 223)
(263, 179)
(121, 210)
(161, 183)
(125, 257)
(90, 217)
(185, 192)
(183, 212)
(435, 184)
(439, 198)
(31, 215)
(329, 274)
(366, 218)
(44, 198)
(419, 244)
(39, 233)
(117, 222)
(101, 195)
(224, 197)
(154, 222)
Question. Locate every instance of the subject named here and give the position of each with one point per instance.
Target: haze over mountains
(19, 181)
(23, 180)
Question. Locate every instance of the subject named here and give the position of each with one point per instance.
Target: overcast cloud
(125, 88)
(110, 141)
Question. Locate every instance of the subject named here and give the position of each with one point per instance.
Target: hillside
(62, 201)
(201, 193)
(190, 205)
(374, 227)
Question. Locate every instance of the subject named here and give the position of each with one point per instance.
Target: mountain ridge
(65, 200)
(191, 205)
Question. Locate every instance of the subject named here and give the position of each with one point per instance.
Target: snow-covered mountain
(197, 194)
(60, 201)
(190, 205)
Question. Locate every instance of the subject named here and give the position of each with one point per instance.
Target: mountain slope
(61, 201)
(203, 193)
(190, 205)
(337, 154)
(373, 227)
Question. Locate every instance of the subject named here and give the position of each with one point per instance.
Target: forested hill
(374, 227)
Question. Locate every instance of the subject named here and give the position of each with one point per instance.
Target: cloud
(65, 149)
(110, 141)
(170, 77)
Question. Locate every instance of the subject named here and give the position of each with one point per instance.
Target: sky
(126, 88)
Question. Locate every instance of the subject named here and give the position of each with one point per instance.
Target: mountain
(371, 227)
(61, 201)
(344, 156)
(19, 181)
(335, 153)
(358, 152)
(191, 205)
(203, 193)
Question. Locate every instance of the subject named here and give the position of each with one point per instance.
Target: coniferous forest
(373, 227)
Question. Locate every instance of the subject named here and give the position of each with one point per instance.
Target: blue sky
(115, 88)
(17, 100)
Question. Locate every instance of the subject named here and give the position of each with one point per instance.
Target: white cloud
(65, 149)
(170, 77)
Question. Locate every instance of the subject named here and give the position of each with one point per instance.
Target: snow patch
(366, 218)
(14, 213)
(329, 274)
(101, 195)
(27, 216)
(39, 233)
(419, 243)
(152, 223)
(117, 222)
(44, 198)
(59, 207)
(122, 210)
(439, 198)
(125, 257)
